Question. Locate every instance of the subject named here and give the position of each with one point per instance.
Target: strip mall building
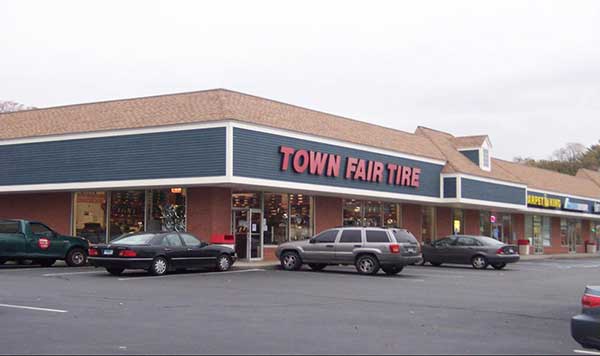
(220, 162)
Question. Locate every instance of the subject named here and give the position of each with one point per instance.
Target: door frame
(249, 213)
(572, 235)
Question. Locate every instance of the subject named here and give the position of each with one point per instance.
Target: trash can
(523, 247)
(590, 247)
(223, 240)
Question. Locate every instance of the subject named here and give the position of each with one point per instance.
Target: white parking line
(192, 274)
(585, 352)
(32, 308)
(68, 273)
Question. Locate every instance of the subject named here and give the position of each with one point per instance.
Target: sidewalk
(256, 264)
(560, 256)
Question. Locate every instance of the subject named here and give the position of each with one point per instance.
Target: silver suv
(369, 249)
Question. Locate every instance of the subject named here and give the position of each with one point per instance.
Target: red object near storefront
(222, 239)
(522, 242)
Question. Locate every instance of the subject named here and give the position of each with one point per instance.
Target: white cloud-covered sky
(525, 72)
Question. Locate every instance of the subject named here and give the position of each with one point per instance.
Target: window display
(352, 212)
(167, 210)
(428, 224)
(90, 216)
(246, 200)
(127, 212)
(277, 216)
(458, 221)
(373, 214)
(391, 215)
(301, 222)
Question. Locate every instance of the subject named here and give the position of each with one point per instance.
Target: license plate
(107, 252)
(411, 250)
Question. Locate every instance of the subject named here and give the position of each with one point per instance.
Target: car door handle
(189, 248)
(328, 245)
(167, 249)
(357, 245)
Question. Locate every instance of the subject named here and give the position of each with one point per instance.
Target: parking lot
(450, 309)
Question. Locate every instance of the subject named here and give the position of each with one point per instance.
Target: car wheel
(159, 266)
(115, 271)
(76, 258)
(436, 264)
(367, 264)
(499, 265)
(479, 262)
(47, 263)
(317, 266)
(391, 270)
(223, 263)
(290, 261)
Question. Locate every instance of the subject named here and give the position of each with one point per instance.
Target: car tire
(115, 271)
(393, 269)
(367, 264)
(290, 261)
(47, 263)
(76, 257)
(159, 266)
(479, 262)
(317, 266)
(499, 266)
(435, 264)
(224, 263)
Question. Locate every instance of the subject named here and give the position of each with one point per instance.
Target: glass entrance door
(247, 228)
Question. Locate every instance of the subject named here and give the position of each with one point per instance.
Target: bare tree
(570, 153)
(9, 106)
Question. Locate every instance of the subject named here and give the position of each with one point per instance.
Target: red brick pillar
(208, 211)
(518, 222)
(52, 209)
(411, 219)
(444, 222)
(585, 234)
(472, 222)
(328, 213)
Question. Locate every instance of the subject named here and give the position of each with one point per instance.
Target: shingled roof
(594, 176)
(469, 141)
(206, 106)
(550, 180)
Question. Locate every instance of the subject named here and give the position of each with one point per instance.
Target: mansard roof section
(206, 106)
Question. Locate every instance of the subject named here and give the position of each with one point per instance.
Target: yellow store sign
(544, 202)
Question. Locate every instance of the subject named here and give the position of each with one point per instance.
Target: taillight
(127, 253)
(590, 301)
(92, 252)
(394, 248)
(500, 251)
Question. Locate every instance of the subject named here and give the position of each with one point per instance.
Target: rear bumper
(399, 260)
(503, 259)
(116, 262)
(585, 329)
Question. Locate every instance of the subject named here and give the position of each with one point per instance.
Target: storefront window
(246, 200)
(277, 216)
(167, 210)
(485, 225)
(127, 209)
(301, 222)
(352, 212)
(373, 214)
(537, 230)
(90, 216)
(563, 232)
(392, 215)
(428, 224)
(458, 221)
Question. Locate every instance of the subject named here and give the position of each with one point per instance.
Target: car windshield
(142, 239)
(404, 236)
(489, 241)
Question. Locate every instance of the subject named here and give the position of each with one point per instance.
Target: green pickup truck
(22, 240)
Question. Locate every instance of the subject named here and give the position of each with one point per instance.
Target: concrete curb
(562, 256)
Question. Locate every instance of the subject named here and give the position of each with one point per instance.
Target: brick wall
(444, 222)
(209, 211)
(411, 219)
(328, 213)
(472, 222)
(53, 209)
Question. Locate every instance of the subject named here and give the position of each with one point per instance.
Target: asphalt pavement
(525, 309)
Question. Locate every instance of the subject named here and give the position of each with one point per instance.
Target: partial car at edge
(585, 327)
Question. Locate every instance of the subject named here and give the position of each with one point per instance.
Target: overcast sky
(525, 72)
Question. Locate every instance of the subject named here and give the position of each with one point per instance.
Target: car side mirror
(312, 241)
